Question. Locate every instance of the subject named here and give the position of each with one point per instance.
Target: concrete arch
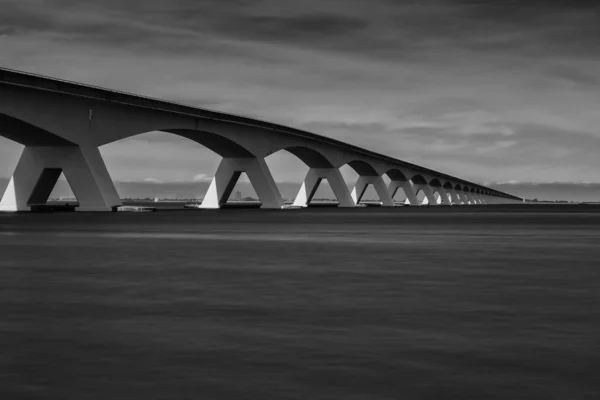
(363, 168)
(368, 175)
(399, 180)
(312, 158)
(459, 195)
(454, 195)
(472, 195)
(320, 167)
(418, 180)
(442, 195)
(221, 145)
(419, 183)
(435, 183)
(396, 175)
(451, 195)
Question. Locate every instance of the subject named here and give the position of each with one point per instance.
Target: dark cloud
(481, 84)
(297, 28)
(375, 28)
(575, 76)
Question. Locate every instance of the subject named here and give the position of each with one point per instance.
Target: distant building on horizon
(238, 196)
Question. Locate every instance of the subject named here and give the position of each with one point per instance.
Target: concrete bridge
(62, 124)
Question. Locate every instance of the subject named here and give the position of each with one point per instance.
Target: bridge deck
(19, 78)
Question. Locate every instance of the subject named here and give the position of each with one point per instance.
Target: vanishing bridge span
(62, 124)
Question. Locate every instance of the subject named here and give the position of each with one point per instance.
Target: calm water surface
(486, 303)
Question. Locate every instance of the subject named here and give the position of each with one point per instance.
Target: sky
(495, 92)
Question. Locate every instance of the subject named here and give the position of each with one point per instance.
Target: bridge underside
(62, 126)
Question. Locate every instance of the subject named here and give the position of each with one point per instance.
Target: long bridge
(62, 124)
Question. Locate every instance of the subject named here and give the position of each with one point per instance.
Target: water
(487, 303)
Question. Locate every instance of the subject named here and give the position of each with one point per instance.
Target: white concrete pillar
(228, 174)
(471, 198)
(409, 191)
(378, 183)
(444, 197)
(429, 197)
(463, 197)
(313, 180)
(40, 167)
(455, 197)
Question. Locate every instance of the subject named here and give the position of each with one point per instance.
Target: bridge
(62, 124)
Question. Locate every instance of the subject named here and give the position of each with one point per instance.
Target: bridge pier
(380, 187)
(444, 197)
(227, 175)
(409, 191)
(456, 200)
(313, 180)
(471, 198)
(429, 197)
(463, 196)
(40, 167)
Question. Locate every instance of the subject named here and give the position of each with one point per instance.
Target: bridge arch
(315, 170)
(399, 188)
(222, 145)
(418, 179)
(311, 157)
(367, 181)
(435, 183)
(451, 195)
(362, 168)
(209, 166)
(396, 175)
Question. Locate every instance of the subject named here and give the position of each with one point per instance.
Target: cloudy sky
(492, 91)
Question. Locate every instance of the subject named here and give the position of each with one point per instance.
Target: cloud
(486, 90)
(201, 178)
(152, 180)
